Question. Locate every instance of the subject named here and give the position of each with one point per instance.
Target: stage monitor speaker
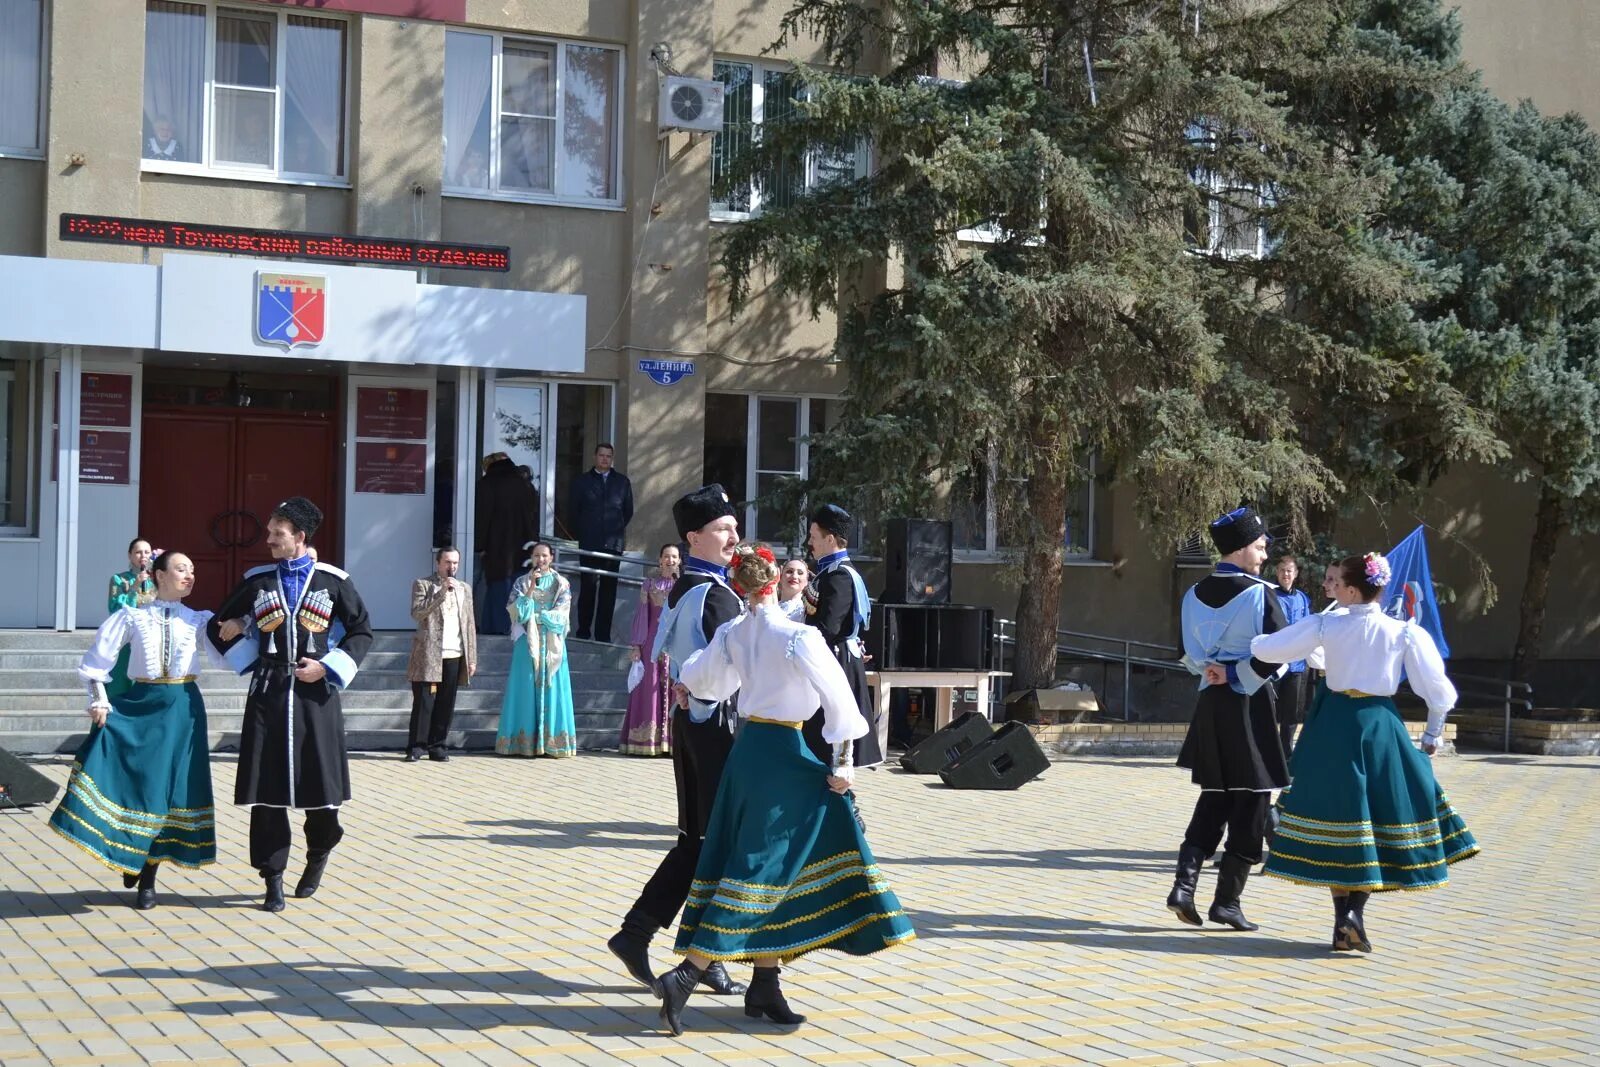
(1005, 761)
(21, 785)
(916, 563)
(948, 744)
(931, 637)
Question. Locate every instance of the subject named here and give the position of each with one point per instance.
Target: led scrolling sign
(287, 244)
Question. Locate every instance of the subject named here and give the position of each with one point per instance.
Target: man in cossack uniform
(275, 627)
(836, 603)
(702, 733)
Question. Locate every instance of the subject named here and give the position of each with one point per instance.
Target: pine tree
(1179, 260)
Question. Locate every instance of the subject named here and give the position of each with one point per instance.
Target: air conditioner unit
(690, 104)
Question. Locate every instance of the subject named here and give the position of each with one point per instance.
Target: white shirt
(1318, 660)
(451, 635)
(166, 637)
(781, 670)
(794, 607)
(1367, 651)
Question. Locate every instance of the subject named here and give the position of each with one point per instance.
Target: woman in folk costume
(1365, 814)
(647, 726)
(793, 580)
(785, 869)
(140, 792)
(536, 717)
(132, 588)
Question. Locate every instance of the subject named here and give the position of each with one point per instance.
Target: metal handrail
(1505, 690)
(644, 563)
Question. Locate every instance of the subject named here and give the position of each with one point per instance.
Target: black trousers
(594, 619)
(699, 752)
(1291, 708)
(270, 836)
(1242, 813)
(433, 706)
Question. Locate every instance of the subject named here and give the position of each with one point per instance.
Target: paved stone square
(463, 921)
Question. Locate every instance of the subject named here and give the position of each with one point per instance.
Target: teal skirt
(1365, 811)
(785, 867)
(119, 682)
(140, 790)
(536, 716)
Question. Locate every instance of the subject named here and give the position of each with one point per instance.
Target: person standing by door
(292, 744)
(506, 518)
(601, 500)
(444, 654)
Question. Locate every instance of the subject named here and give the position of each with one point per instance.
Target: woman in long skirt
(785, 868)
(132, 588)
(140, 791)
(647, 727)
(536, 717)
(1365, 814)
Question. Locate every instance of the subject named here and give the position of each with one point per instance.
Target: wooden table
(945, 683)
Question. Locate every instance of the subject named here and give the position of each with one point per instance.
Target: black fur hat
(705, 505)
(1236, 529)
(832, 519)
(299, 513)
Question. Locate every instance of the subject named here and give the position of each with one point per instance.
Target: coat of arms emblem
(291, 309)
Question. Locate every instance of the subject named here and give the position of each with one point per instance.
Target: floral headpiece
(761, 552)
(1377, 568)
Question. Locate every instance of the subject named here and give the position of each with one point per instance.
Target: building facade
(255, 248)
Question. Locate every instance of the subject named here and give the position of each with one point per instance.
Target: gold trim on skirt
(777, 722)
(185, 680)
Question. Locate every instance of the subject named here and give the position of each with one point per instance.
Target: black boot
(311, 877)
(1353, 924)
(765, 997)
(1341, 943)
(1225, 908)
(631, 945)
(1181, 900)
(146, 898)
(129, 880)
(717, 979)
(274, 900)
(673, 988)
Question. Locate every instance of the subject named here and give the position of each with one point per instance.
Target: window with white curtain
(532, 119)
(756, 95)
(21, 77)
(244, 91)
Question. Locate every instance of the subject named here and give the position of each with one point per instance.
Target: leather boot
(1181, 900)
(1341, 943)
(274, 900)
(765, 997)
(146, 898)
(1225, 909)
(311, 877)
(717, 979)
(1353, 924)
(631, 945)
(674, 988)
(130, 880)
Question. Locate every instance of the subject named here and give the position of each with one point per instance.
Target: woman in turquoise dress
(140, 791)
(1365, 814)
(132, 588)
(536, 715)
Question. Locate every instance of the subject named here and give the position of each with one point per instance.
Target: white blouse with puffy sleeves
(167, 640)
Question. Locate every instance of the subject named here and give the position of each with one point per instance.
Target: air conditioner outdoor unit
(690, 104)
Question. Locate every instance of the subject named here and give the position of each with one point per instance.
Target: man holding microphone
(444, 653)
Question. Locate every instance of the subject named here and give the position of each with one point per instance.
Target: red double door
(209, 479)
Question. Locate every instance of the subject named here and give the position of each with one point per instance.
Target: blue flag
(1409, 594)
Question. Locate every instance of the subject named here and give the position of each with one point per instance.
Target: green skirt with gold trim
(785, 867)
(1365, 811)
(141, 787)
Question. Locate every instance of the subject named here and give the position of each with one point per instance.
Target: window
(778, 427)
(754, 95)
(19, 409)
(245, 92)
(21, 77)
(530, 119)
(986, 511)
(1229, 222)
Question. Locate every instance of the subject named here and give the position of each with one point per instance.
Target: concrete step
(473, 697)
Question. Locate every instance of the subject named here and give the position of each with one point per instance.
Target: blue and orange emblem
(291, 309)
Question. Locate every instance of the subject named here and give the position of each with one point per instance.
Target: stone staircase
(42, 702)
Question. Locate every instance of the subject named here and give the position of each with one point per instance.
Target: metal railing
(1503, 690)
(567, 550)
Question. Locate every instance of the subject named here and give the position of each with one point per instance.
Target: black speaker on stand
(21, 785)
(948, 744)
(1006, 760)
(916, 561)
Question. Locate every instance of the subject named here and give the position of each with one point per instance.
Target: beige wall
(1547, 51)
(22, 219)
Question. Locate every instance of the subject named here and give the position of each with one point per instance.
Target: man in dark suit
(506, 519)
(601, 505)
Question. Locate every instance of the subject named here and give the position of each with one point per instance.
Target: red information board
(107, 399)
(105, 457)
(392, 414)
(393, 467)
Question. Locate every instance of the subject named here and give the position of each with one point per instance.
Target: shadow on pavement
(1209, 941)
(1055, 859)
(546, 833)
(31, 905)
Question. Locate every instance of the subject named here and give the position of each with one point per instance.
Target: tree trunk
(1039, 598)
(1549, 524)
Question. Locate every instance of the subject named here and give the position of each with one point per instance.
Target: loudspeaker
(948, 744)
(931, 637)
(1005, 761)
(916, 562)
(21, 785)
